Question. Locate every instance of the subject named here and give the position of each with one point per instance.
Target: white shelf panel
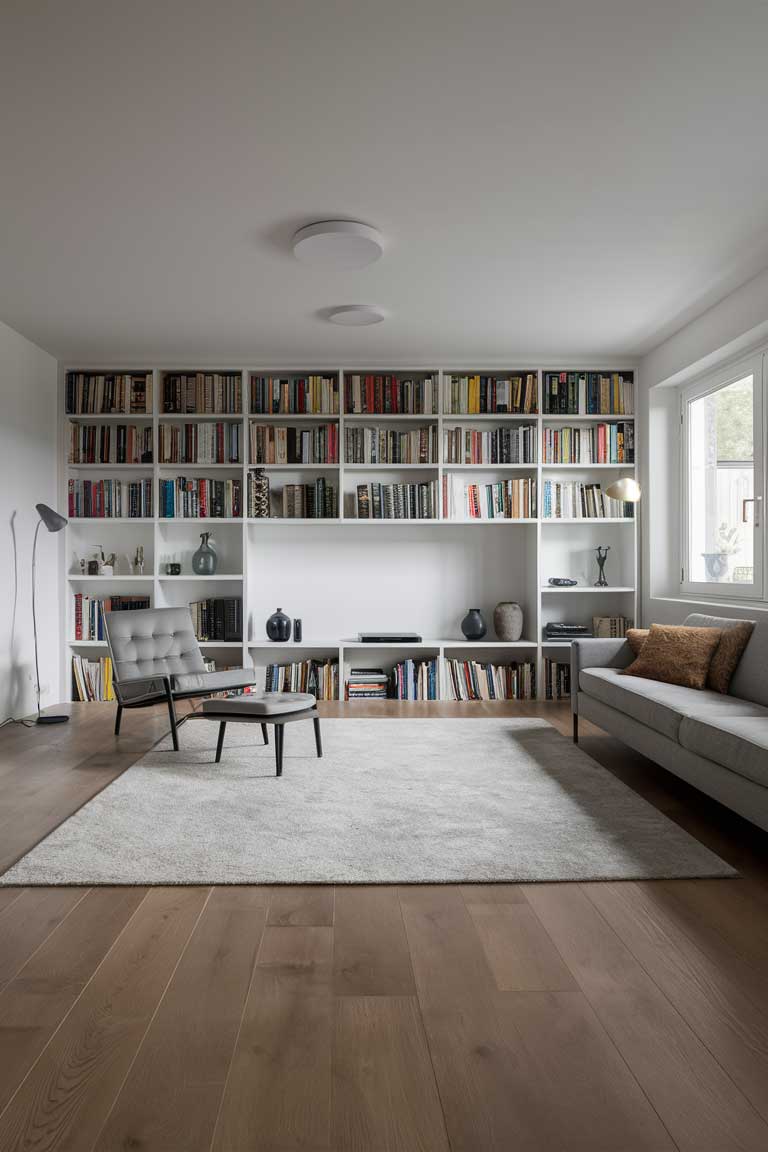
(391, 467)
(436, 644)
(200, 520)
(191, 417)
(393, 417)
(588, 467)
(199, 467)
(110, 467)
(469, 644)
(582, 588)
(220, 643)
(591, 520)
(480, 522)
(87, 643)
(566, 418)
(107, 417)
(111, 520)
(293, 417)
(293, 520)
(111, 579)
(490, 467)
(470, 417)
(182, 579)
(297, 467)
(293, 645)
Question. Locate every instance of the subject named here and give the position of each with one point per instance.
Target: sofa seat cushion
(214, 681)
(657, 705)
(259, 705)
(739, 743)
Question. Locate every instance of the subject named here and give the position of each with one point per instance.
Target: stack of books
(201, 392)
(600, 444)
(218, 618)
(200, 443)
(108, 393)
(572, 500)
(365, 445)
(321, 680)
(89, 612)
(380, 394)
(313, 395)
(472, 680)
(110, 499)
(367, 684)
(512, 445)
(477, 395)
(502, 500)
(196, 498)
(318, 501)
(287, 444)
(110, 443)
(396, 501)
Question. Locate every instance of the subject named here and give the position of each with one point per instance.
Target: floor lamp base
(52, 719)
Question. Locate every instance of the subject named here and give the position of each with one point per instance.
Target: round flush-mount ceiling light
(338, 244)
(356, 315)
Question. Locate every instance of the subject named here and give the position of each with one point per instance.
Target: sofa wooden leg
(118, 718)
(575, 727)
(220, 741)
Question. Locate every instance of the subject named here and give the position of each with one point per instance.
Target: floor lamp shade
(54, 523)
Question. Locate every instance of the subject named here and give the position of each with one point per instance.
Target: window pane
(721, 475)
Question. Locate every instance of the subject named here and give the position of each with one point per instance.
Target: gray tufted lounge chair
(156, 656)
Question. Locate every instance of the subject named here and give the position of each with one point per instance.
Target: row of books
(500, 500)
(589, 393)
(600, 444)
(281, 444)
(474, 680)
(89, 612)
(109, 499)
(108, 393)
(385, 394)
(363, 445)
(477, 395)
(218, 618)
(367, 684)
(200, 443)
(318, 501)
(92, 679)
(198, 497)
(202, 392)
(572, 500)
(511, 445)
(295, 394)
(396, 501)
(415, 680)
(611, 627)
(557, 680)
(321, 679)
(110, 443)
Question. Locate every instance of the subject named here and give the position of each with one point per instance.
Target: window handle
(751, 500)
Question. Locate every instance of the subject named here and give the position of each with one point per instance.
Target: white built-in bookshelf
(344, 575)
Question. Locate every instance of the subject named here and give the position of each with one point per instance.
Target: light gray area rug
(392, 801)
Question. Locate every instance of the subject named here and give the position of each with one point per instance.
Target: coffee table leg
(220, 741)
(318, 738)
(279, 737)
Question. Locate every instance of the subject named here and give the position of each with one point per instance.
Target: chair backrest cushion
(750, 680)
(152, 642)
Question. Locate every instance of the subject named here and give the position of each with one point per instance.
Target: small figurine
(602, 556)
(138, 563)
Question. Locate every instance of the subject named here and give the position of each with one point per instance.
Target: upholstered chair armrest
(596, 653)
(140, 689)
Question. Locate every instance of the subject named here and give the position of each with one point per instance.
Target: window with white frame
(723, 547)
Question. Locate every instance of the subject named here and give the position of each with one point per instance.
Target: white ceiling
(554, 176)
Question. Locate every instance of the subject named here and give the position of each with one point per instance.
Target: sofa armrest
(596, 653)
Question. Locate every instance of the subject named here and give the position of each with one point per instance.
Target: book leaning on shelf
(364, 445)
(318, 501)
(480, 395)
(289, 444)
(501, 500)
(571, 500)
(557, 680)
(378, 394)
(200, 443)
(472, 680)
(89, 612)
(202, 392)
(321, 679)
(195, 498)
(296, 395)
(92, 679)
(611, 627)
(108, 393)
(510, 445)
(110, 443)
(599, 444)
(589, 393)
(396, 501)
(109, 499)
(218, 618)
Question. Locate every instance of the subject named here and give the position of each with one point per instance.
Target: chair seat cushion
(739, 743)
(214, 681)
(259, 705)
(660, 706)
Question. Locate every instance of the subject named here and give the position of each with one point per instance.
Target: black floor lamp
(54, 523)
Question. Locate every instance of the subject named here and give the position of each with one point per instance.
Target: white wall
(725, 331)
(28, 476)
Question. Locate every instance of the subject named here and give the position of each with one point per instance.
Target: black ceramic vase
(279, 626)
(473, 625)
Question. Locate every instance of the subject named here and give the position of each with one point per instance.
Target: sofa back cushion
(750, 678)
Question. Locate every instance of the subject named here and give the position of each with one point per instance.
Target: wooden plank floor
(618, 1017)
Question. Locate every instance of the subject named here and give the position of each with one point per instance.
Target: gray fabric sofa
(717, 743)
